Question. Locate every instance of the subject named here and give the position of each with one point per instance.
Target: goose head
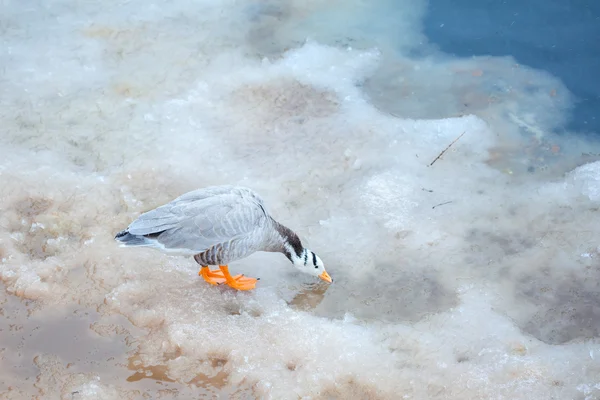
(310, 263)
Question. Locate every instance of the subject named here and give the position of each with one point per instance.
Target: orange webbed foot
(214, 277)
(242, 283)
(220, 276)
(238, 282)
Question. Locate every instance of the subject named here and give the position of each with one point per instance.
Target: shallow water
(559, 37)
(472, 275)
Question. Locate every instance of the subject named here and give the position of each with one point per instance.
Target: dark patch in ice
(254, 312)
(31, 240)
(35, 246)
(495, 246)
(218, 361)
(292, 366)
(351, 388)
(236, 307)
(30, 207)
(286, 100)
(387, 293)
(218, 378)
(567, 303)
(153, 372)
(232, 309)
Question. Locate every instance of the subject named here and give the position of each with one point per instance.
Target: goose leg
(214, 277)
(238, 282)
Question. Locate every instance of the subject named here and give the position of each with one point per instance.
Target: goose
(218, 225)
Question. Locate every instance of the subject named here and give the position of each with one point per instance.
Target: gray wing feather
(203, 218)
(169, 215)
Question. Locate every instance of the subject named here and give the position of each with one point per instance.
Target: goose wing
(203, 218)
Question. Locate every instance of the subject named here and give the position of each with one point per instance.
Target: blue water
(561, 37)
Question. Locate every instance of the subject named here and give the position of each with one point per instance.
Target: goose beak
(325, 276)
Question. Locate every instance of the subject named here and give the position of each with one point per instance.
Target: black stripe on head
(305, 257)
(314, 259)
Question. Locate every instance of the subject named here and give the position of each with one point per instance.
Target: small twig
(446, 149)
(441, 204)
(427, 190)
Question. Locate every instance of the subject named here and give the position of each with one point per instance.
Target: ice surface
(587, 179)
(472, 277)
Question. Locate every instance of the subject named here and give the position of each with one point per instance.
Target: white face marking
(308, 262)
